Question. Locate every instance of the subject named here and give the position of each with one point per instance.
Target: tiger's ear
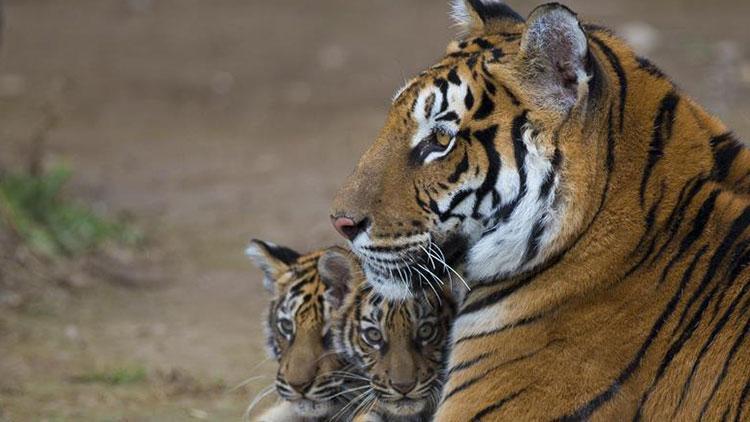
(272, 259)
(337, 268)
(478, 17)
(553, 58)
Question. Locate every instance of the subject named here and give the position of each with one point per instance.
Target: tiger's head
(486, 161)
(398, 346)
(306, 289)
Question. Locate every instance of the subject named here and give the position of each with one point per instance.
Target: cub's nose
(302, 387)
(347, 227)
(404, 387)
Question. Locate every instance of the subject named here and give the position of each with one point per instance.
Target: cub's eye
(285, 327)
(435, 146)
(372, 336)
(426, 331)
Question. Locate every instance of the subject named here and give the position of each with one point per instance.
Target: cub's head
(399, 347)
(475, 166)
(306, 289)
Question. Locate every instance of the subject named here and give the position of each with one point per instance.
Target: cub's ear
(272, 259)
(478, 17)
(553, 58)
(338, 268)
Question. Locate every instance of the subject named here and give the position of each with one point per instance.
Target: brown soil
(214, 122)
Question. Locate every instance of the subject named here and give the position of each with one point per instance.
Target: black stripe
(661, 133)
(646, 65)
(725, 368)
(549, 179)
(699, 225)
(466, 384)
(494, 10)
(516, 324)
(718, 327)
(725, 148)
(497, 54)
(469, 363)
(496, 406)
(469, 99)
(535, 238)
(457, 199)
(487, 138)
(649, 222)
(482, 43)
(453, 77)
(592, 27)
(450, 116)
(738, 227)
(442, 84)
(737, 265)
(674, 221)
(486, 107)
(460, 169)
(743, 397)
(494, 297)
(619, 71)
(510, 94)
(519, 152)
(585, 411)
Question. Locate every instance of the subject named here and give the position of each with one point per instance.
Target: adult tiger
(599, 215)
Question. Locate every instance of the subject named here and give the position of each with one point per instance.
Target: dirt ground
(212, 122)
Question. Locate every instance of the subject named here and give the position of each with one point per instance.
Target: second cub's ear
(553, 58)
(337, 268)
(478, 17)
(272, 259)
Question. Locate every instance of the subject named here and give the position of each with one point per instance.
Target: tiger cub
(398, 349)
(306, 289)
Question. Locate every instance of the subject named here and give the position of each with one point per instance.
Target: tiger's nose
(404, 387)
(347, 227)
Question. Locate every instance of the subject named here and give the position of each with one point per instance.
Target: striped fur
(599, 214)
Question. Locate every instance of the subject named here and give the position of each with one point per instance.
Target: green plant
(118, 376)
(35, 208)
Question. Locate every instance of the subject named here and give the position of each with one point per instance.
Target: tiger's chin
(311, 408)
(419, 265)
(405, 407)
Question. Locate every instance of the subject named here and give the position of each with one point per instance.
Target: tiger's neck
(664, 149)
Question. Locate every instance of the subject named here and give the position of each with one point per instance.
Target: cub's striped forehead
(305, 288)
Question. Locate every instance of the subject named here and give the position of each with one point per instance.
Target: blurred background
(144, 142)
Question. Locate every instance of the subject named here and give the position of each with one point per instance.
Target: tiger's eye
(426, 331)
(442, 138)
(285, 326)
(373, 336)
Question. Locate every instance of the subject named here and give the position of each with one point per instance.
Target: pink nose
(348, 227)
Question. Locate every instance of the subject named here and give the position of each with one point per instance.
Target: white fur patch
(502, 252)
